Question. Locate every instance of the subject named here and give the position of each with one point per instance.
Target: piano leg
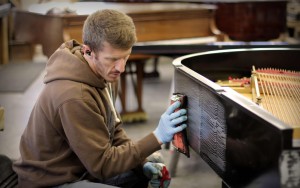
(154, 73)
(173, 162)
(1, 118)
(137, 81)
(4, 37)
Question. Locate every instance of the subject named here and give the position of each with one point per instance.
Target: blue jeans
(84, 183)
(129, 179)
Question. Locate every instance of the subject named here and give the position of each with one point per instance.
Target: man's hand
(158, 174)
(167, 124)
(156, 157)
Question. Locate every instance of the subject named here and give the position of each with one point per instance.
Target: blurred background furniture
(154, 22)
(251, 20)
(4, 11)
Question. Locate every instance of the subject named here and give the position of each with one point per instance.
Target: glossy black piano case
(239, 140)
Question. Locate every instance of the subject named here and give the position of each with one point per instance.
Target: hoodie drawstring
(109, 94)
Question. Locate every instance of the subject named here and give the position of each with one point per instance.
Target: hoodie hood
(67, 63)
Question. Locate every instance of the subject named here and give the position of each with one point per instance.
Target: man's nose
(120, 65)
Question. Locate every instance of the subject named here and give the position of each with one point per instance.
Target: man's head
(108, 37)
(110, 26)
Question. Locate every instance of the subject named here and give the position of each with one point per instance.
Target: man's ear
(87, 50)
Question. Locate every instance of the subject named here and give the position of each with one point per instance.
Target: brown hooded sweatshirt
(74, 129)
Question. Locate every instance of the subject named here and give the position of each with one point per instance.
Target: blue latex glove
(153, 172)
(167, 124)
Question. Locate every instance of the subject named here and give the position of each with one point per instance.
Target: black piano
(243, 143)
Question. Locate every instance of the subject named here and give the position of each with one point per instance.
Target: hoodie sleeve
(120, 136)
(89, 138)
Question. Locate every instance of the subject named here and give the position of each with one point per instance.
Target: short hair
(110, 26)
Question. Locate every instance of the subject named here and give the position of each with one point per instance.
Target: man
(74, 136)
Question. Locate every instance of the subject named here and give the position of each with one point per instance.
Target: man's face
(109, 63)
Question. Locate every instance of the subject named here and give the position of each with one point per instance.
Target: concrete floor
(191, 172)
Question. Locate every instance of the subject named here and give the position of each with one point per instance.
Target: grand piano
(154, 22)
(247, 143)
